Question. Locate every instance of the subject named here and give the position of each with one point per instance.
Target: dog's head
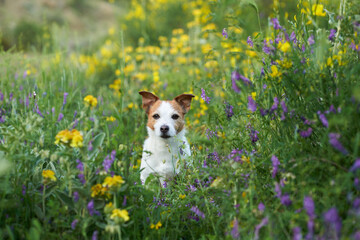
(166, 118)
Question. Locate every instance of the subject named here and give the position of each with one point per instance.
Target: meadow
(274, 128)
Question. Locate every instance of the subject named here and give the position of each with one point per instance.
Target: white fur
(162, 156)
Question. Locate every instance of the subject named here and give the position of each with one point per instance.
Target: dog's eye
(156, 116)
(175, 116)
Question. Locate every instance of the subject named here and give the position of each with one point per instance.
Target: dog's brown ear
(148, 99)
(185, 101)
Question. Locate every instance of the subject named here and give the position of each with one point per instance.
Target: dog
(166, 144)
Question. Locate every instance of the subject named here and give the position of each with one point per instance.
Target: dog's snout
(164, 128)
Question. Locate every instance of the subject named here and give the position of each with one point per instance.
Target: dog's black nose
(164, 129)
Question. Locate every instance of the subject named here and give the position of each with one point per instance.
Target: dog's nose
(164, 129)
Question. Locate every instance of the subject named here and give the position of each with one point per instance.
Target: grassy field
(274, 128)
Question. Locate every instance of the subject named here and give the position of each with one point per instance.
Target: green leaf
(65, 199)
(98, 141)
(4, 164)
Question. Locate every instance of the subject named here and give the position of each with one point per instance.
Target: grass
(273, 129)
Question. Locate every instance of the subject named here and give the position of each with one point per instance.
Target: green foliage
(274, 129)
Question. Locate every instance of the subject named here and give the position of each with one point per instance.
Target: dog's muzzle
(164, 129)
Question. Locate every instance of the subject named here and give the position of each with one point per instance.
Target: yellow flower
(64, 136)
(284, 47)
(122, 214)
(156, 226)
(274, 71)
(253, 94)
(250, 53)
(90, 100)
(182, 196)
(115, 181)
(48, 174)
(77, 139)
(117, 72)
(110, 119)
(98, 190)
(318, 10)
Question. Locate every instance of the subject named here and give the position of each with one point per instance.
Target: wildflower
(254, 135)
(274, 71)
(285, 199)
(355, 166)
(318, 10)
(323, 119)
(334, 141)
(276, 24)
(275, 163)
(251, 104)
(182, 196)
(77, 139)
(156, 226)
(95, 235)
(121, 214)
(80, 165)
(199, 213)
(306, 133)
(333, 220)
(261, 207)
(64, 98)
(284, 47)
(332, 34)
(60, 117)
(297, 233)
(110, 119)
(263, 223)
(250, 42)
(114, 181)
(235, 229)
(204, 97)
(91, 208)
(48, 175)
(275, 104)
(234, 77)
(224, 33)
(76, 196)
(311, 40)
(98, 190)
(108, 161)
(229, 111)
(90, 101)
(74, 223)
(293, 37)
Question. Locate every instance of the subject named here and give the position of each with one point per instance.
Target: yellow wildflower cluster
(115, 181)
(156, 226)
(99, 190)
(90, 100)
(120, 214)
(74, 138)
(48, 175)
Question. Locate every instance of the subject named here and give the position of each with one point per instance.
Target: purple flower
(250, 42)
(75, 113)
(332, 34)
(275, 104)
(90, 146)
(278, 190)
(74, 223)
(306, 133)
(80, 165)
(196, 210)
(91, 209)
(234, 77)
(65, 97)
(266, 49)
(276, 24)
(76, 196)
(261, 207)
(254, 135)
(81, 177)
(309, 206)
(245, 80)
(323, 119)
(95, 235)
(356, 236)
(285, 200)
(224, 33)
(275, 164)
(204, 97)
(263, 223)
(334, 141)
(355, 166)
(283, 106)
(61, 116)
(311, 40)
(333, 221)
(23, 190)
(107, 163)
(25, 74)
(251, 104)
(229, 111)
(297, 233)
(293, 38)
(235, 230)
(38, 111)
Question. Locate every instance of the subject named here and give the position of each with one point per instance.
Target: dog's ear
(148, 99)
(184, 100)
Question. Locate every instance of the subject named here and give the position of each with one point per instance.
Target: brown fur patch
(180, 122)
(151, 121)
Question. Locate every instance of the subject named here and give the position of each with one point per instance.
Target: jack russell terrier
(166, 143)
